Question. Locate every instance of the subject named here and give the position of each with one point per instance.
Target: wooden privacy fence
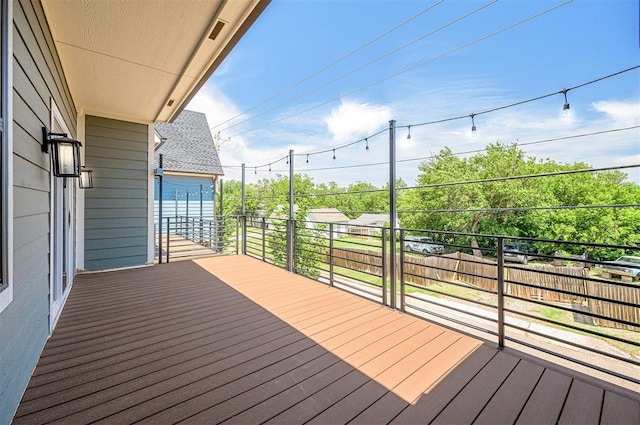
(560, 284)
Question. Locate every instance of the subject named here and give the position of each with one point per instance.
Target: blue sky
(430, 68)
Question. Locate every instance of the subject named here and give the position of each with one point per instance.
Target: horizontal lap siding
(116, 209)
(24, 324)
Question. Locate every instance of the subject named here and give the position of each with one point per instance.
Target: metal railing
(521, 291)
(187, 237)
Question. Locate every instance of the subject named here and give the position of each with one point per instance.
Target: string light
(255, 170)
(409, 134)
(269, 167)
(334, 154)
(307, 158)
(566, 109)
(474, 130)
(366, 141)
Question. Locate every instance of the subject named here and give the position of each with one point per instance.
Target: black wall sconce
(86, 178)
(65, 153)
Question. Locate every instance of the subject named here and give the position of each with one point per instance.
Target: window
(6, 240)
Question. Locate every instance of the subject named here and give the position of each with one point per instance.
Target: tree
(479, 206)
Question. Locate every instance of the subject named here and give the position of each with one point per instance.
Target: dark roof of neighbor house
(189, 146)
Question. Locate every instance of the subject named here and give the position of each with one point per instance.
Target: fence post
(384, 266)
(500, 289)
(330, 254)
(168, 223)
(402, 288)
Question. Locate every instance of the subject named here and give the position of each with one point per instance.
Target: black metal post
(264, 240)
(187, 216)
(384, 267)
(291, 235)
(330, 254)
(160, 211)
(500, 290)
(201, 222)
(168, 233)
(393, 215)
(402, 288)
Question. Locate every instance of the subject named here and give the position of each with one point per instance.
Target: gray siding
(24, 324)
(116, 209)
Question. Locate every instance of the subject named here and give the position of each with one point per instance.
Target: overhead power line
(361, 67)
(440, 56)
(325, 68)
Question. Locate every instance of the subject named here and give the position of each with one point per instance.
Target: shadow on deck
(234, 339)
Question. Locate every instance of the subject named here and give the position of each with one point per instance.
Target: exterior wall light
(65, 153)
(86, 178)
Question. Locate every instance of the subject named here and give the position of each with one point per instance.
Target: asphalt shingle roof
(189, 146)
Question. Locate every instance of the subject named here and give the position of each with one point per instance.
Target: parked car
(627, 264)
(422, 244)
(519, 252)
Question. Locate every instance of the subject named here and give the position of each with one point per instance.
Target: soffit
(129, 59)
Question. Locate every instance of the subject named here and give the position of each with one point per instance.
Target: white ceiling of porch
(143, 59)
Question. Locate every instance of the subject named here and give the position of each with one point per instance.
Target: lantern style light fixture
(65, 153)
(86, 178)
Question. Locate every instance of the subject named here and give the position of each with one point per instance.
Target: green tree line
(481, 206)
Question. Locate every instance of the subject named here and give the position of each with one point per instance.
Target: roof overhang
(144, 60)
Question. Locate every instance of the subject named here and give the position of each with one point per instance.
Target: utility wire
(329, 66)
(361, 67)
(447, 53)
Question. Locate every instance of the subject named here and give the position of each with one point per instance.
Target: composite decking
(235, 340)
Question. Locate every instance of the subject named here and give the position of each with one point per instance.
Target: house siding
(37, 77)
(116, 209)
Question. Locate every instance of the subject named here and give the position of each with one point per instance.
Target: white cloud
(352, 120)
(621, 112)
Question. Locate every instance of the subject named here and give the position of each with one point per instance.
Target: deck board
(232, 339)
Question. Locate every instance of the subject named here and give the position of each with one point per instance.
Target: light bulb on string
(366, 141)
(474, 130)
(307, 158)
(566, 109)
(255, 170)
(409, 133)
(334, 154)
(269, 167)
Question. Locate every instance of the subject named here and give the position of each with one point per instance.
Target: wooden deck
(235, 340)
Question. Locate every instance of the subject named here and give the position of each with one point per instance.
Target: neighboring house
(367, 224)
(104, 73)
(327, 216)
(190, 164)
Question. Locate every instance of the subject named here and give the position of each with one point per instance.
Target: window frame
(6, 155)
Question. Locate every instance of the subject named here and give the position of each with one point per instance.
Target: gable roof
(189, 146)
(327, 215)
